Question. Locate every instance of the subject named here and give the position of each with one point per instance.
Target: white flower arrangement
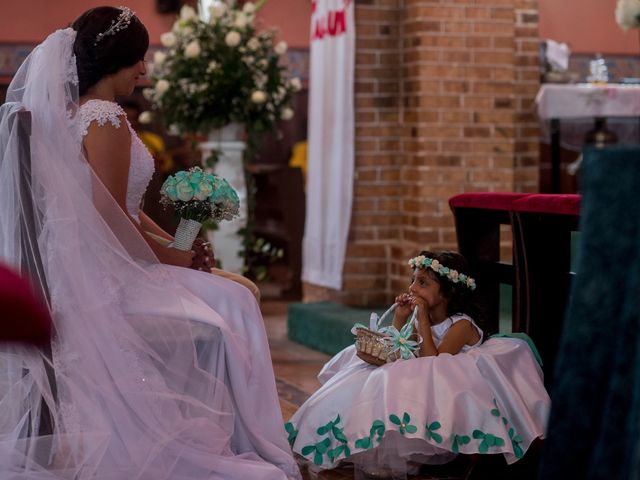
(628, 14)
(197, 196)
(220, 71)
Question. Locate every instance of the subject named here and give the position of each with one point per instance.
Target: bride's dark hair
(114, 52)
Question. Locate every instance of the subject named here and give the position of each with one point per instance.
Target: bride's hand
(179, 258)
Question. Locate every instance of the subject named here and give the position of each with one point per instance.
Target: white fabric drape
(331, 142)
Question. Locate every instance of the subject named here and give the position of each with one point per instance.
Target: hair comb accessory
(122, 22)
(436, 266)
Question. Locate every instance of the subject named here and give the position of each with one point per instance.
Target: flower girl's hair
(460, 298)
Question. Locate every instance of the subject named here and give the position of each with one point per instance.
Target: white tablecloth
(586, 100)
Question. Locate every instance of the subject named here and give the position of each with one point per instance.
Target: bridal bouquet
(197, 196)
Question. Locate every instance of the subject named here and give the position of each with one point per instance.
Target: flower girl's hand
(404, 305)
(179, 258)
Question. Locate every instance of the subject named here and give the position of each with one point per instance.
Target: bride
(156, 371)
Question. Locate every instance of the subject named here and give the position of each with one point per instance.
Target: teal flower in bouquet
(197, 195)
(221, 71)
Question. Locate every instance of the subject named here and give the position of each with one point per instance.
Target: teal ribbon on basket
(399, 343)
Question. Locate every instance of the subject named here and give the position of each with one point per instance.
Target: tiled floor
(296, 368)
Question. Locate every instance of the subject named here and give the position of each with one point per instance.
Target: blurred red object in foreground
(23, 317)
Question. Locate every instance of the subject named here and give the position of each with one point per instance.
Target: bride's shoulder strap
(101, 112)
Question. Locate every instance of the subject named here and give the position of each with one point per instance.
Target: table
(559, 101)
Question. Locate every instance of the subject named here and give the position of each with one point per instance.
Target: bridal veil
(122, 393)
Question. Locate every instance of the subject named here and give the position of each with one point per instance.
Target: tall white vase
(226, 241)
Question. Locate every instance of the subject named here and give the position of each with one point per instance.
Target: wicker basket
(375, 347)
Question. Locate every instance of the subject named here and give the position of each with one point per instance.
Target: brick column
(444, 105)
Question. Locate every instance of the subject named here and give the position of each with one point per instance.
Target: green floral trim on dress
(516, 440)
(457, 441)
(431, 434)
(292, 433)
(322, 447)
(377, 428)
(404, 424)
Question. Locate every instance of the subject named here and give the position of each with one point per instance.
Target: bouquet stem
(186, 234)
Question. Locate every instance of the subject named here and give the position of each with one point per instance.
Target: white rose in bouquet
(232, 39)
(281, 48)
(162, 86)
(240, 21)
(628, 14)
(159, 58)
(193, 49)
(287, 114)
(145, 117)
(168, 39)
(187, 13)
(217, 10)
(258, 97)
(295, 84)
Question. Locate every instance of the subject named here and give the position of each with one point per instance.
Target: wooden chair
(31, 262)
(478, 218)
(543, 225)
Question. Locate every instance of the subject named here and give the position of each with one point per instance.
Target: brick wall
(444, 105)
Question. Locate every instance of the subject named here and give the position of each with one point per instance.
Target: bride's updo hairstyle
(96, 60)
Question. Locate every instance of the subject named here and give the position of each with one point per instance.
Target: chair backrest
(31, 263)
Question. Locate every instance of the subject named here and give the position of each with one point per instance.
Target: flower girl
(454, 395)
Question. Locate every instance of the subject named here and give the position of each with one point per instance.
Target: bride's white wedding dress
(161, 372)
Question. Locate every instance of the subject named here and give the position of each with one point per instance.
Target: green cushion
(326, 326)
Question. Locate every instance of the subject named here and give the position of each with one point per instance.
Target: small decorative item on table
(197, 196)
(379, 345)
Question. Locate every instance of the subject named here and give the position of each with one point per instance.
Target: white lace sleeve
(101, 112)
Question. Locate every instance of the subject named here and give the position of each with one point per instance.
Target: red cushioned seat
(23, 318)
(560, 204)
(486, 200)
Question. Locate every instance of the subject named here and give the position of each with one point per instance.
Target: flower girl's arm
(108, 151)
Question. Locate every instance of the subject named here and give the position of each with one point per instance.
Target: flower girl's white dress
(488, 398)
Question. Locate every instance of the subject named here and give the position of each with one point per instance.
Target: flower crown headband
(122, 22)
(453, 275)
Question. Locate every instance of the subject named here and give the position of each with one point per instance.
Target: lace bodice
(142, 164)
